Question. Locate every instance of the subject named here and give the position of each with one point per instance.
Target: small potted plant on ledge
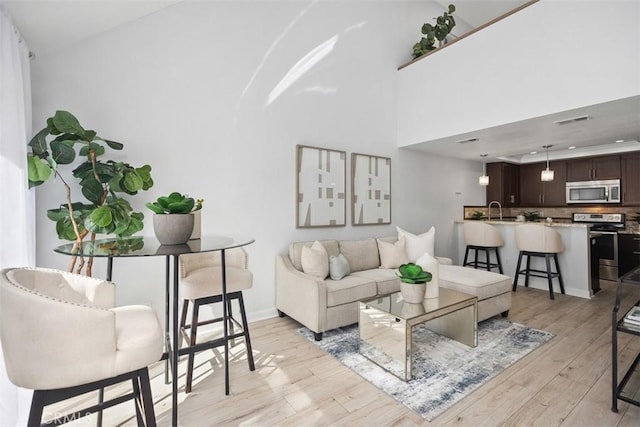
(413, 282)
(173, 220)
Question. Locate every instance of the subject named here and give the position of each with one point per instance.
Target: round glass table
(149, 246)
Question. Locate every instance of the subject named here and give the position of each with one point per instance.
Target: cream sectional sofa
(322, 305)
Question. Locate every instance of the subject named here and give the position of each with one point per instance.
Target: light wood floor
(566, 382)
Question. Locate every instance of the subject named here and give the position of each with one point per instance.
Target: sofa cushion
(385, 278)
(295, 251)
(361, 254)
(349, 289)
(392, 255)
(481, 283)
(315, 260)
(338, 267)
(417, 245)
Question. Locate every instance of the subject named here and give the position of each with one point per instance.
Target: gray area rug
(444, 370)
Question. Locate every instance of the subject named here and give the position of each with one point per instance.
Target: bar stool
(538, 241)
(481, 236)
(200, 283)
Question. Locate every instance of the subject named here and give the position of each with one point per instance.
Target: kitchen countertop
(513, 222)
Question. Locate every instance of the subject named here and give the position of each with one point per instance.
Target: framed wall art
(370, 189)
(320, 187)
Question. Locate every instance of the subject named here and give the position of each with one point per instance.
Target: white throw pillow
(338, 267)
(418, 245)
(315, 260)
(430, 264)
(392, 255)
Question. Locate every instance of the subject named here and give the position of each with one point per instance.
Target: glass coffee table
(385, 325)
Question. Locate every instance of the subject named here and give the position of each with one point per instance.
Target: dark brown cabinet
(534, 192)
(628, 252)
(593, 168)
(504, 183)
(630, 178)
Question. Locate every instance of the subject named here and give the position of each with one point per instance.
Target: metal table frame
(618, 325)
(151, 247)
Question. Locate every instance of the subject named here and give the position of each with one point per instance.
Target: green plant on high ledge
(101, 183)
(444, 25)
(175, 203)
(637, 217)
(413, 274)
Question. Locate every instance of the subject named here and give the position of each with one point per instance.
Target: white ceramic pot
(197, 225)
(173, 229)
(413, 293)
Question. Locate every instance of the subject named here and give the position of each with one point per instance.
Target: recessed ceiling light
(572, 147)
(619, 140)
(464, 141)
(571, 120)
(533, 152)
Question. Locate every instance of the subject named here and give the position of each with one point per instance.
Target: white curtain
(17, 204)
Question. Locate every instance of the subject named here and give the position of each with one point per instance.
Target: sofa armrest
(444, 260)
(300, 296)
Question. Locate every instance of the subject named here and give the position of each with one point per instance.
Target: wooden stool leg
(549, 275)
(37, 406)
(526, 275)
(487, 258)
(247, 339)
(498, 258)
(555, 259)
(515, 280)
(192, 341)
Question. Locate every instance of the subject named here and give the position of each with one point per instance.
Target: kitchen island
(575, 262)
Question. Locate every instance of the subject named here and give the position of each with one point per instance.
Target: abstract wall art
(320, 187)
(370, 189)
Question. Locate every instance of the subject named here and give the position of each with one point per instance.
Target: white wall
(187, 90)
(553, 45)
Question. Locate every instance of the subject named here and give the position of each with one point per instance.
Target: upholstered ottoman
(492, 289)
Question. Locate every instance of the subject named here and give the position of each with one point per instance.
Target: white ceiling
(50, 25)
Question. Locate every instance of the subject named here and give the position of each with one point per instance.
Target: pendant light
(547, 174)
(484, 179)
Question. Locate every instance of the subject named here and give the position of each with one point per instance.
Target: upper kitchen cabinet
(504, 183)
(593, 168)
(534, 192)
(630, 180)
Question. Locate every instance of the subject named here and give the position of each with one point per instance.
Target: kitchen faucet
(499, 208)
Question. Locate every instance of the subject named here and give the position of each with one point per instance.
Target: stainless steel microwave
(594, 191)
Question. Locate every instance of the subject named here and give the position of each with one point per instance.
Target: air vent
(571, 120)
(466, 141)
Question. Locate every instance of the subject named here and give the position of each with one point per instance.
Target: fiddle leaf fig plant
(413, 274)
(103, 183)
(439, 31)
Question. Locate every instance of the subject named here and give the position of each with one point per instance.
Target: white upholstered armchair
(62, 336)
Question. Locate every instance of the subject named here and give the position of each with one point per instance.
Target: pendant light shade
(547, 174)
(484, 179)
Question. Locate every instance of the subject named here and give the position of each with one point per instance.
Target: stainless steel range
(603, 235)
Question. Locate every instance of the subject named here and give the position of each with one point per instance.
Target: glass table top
(149, 246)
(395, 305)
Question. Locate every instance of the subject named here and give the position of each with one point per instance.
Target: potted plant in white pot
(173, 220)
(413, 282)
(103, 183)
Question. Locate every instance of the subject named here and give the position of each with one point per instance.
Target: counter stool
(200, 283)
(538, 241)
(480, 236)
